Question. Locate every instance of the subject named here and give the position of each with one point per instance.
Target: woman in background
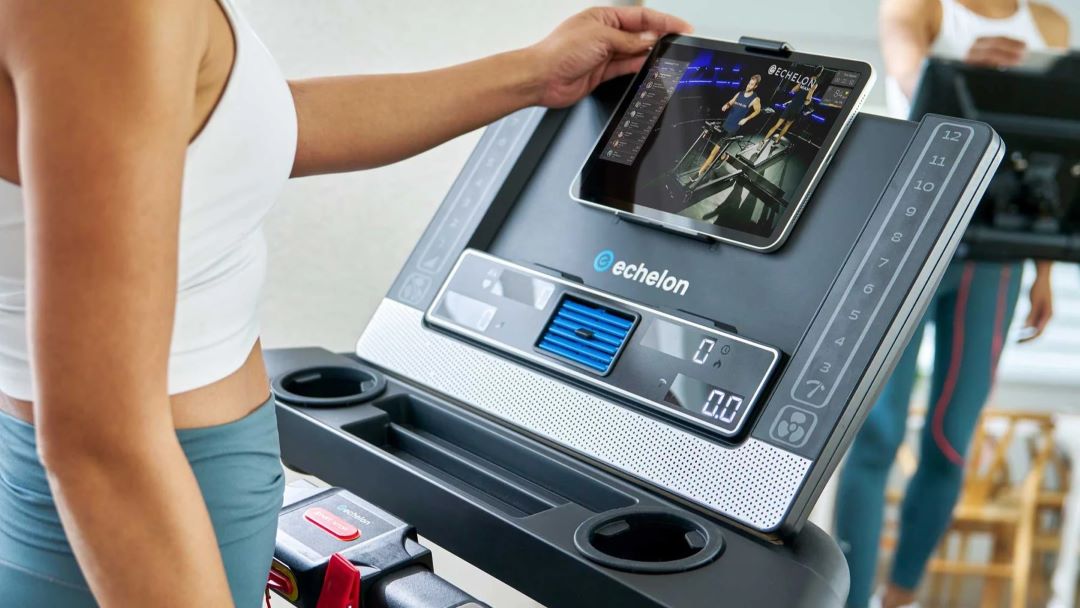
(142, 143)
(801, 98)
(971, 312)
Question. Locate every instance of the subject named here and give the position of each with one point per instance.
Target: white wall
(338, 241)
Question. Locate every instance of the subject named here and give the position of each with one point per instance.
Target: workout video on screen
(724, 140)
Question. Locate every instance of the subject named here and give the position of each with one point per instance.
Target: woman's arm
(1041, 297)
(1055, 29)
(105, 93)
(907, 31)
(349, 123)
(1053, 25)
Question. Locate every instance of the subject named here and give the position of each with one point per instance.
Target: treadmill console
(649, 352)
(700, 375)
(558, 320)
(607, 396)
(565, 385)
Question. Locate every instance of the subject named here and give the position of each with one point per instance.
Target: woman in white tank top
(971, 312)
(142, 142)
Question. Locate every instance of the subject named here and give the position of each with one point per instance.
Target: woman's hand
(359, 122)
(996, 52)
(596, 45)
(1042, 303)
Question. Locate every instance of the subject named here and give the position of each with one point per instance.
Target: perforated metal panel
(753, 484)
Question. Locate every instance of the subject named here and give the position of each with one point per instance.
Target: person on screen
(802, 97)
(741, 109)
(971, 311)
(142, 144)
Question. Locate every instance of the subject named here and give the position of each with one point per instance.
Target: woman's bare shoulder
(924, 16)
(32, 31)
(1052, 23)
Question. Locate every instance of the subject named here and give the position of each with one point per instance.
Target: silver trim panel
(754, 484)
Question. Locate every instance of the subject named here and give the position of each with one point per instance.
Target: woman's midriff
(224, 401)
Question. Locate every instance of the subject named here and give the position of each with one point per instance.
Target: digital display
(615, 345)
(835, 97)
(682, 342)
(844, 78)
(466, 311)
(637, 121)
(719, 406)
(518, 287)
(719, 141)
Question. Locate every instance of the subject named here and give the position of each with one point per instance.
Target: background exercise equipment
(1032, 208)
(574, 398)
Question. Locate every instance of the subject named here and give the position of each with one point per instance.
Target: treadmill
(582, 489)
(1032, 208)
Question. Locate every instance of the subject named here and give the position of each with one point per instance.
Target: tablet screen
(718, 141)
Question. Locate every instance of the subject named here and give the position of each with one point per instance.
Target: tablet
(718, 140)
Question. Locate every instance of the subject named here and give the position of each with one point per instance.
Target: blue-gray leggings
(239, 471)
(971, 313)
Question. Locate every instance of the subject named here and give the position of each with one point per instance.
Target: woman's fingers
(634, 31)
(622, 67)
(1038, 318)
(632, 44)
(641, 19)
(996, 51)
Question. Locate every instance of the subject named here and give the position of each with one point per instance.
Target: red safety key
(341, 585)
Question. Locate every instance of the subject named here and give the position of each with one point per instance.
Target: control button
(793, 426)
(332, 524)
(414, 288)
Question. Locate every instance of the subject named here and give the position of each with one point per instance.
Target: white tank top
(234, 171)
(960, 28)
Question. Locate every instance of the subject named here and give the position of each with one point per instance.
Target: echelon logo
(660, 279)
(792, 75)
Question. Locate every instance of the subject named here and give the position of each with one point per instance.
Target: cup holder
(648, 540)
(328, 386)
